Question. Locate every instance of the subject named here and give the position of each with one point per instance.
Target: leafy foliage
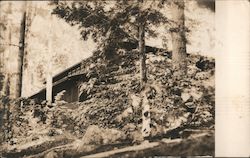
(109, 23)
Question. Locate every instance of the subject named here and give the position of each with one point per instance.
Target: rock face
(96, 135)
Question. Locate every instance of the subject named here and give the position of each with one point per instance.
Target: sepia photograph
(107, 78)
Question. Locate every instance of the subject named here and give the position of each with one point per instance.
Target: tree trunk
(179, 53)
(146, 131)
(2, 18)
(143, 70)
(21, 55)
(6, 85)
(146, 119)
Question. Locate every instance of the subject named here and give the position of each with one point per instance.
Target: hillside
(109, 118)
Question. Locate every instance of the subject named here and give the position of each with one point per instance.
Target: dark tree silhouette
(21, 54)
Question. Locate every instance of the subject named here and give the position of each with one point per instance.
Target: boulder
(93, 135)
(129, 127)
(136, 136)
(80, 146)
(185, 96)
(112, 136)
(96, 135)
(51, 154)
(194, 93)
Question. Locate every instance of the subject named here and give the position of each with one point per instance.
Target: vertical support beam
(49, 86)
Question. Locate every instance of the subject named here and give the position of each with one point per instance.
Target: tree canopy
(110, 22)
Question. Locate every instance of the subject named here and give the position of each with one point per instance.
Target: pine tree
(21, 53)
(123, 21)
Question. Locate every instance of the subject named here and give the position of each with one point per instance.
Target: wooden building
(70, 79)
(67, 80)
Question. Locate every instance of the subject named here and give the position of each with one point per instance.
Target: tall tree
(145, 111)
(21, 52)
(108, 22)
(179, 52)
(141, 38)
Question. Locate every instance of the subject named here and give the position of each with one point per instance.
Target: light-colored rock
(51, 154)
(129, 127)
(185, 96)
(195, 93)
(189, 104)
(81, 147)
(136, 136)
(96, 135)
(136, 100)
(159, 129)
(112, 135)
(93, 135)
